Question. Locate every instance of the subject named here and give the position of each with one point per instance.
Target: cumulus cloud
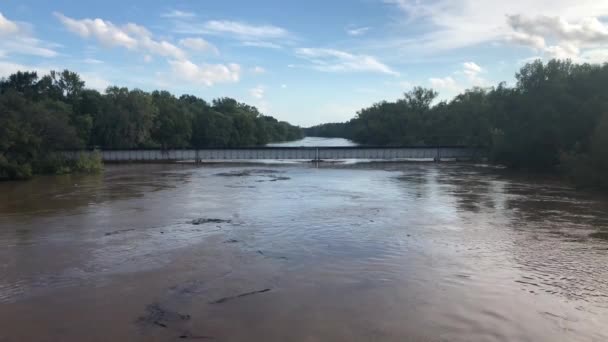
(447, 83)
(331, 60)
(103, 31)
(586, 30)
(471, 68)
(570, 39)
(357, 31)
(198, 44)
(452, 24)
(472, 71)
(257, 92)
(207, 74)
(137, 38)
(563, 51)
(521, 38)
(130, 36)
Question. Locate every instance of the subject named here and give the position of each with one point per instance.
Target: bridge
(433, 153)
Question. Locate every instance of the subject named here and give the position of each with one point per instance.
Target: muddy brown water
(364, 252)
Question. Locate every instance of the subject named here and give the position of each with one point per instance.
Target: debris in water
(247, 173)
(225, 299)
(599, 235)
(159, 316)
(273, 256)
(204, 220)
(188, 335)
(270, 174)
(118, 232)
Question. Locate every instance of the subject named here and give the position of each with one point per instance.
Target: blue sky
(306, 62)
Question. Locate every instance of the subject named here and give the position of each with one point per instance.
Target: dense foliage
(554, 118)
(41, 116)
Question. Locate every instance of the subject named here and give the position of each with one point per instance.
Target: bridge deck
(291, 153)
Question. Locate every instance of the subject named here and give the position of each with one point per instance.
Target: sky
(306, 62)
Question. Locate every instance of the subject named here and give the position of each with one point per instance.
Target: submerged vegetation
(554, 119)
(41, 116)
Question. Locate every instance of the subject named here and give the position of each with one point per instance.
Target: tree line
(555, 118)
(40, 116)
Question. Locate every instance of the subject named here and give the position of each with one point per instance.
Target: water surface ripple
(395, 252)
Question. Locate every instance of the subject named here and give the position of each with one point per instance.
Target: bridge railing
(291, 153)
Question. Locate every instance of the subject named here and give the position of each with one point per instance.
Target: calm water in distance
(314, 142)
(363, 252)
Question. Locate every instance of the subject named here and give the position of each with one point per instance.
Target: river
(315, 142)
(298, 252)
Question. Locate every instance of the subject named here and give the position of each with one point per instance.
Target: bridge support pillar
(437, 156)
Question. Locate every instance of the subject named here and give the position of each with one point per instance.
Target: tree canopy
(42, 115)
(554, 118)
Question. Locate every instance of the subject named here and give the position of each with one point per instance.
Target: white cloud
(130, 36)
(104, 31)
(250, 35)
(17, 39)
(331, 60)
(207, 74)
(452, 24)
(198, 44)
(264, 36)
(357, 31)
(563, 51)
(473, 71)
(283, 86)
(6, 26)
(92, 61)
(471, 68)
(261, 44)
(25, 45)
(570, 39)
(137, 38)
(521, 38)
(245, 30)
(447, 83)
(258, 70)
(257, 92)
(585, 30)
(177, 14)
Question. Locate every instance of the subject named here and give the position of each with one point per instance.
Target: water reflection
(372, 251)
